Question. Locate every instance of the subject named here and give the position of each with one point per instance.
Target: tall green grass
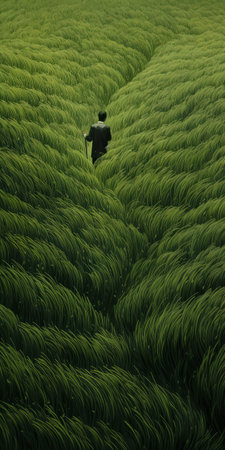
(112, 277)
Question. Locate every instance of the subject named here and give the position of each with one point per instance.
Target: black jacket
(99, 134)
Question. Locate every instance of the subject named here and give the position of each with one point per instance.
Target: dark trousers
(96, 156)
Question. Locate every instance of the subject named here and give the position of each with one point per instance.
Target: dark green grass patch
(112, 277)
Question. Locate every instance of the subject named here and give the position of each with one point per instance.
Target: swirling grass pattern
(112, 278)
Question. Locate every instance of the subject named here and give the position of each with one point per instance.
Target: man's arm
(89, 137)
(109, 137)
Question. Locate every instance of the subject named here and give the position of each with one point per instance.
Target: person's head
(102, 116)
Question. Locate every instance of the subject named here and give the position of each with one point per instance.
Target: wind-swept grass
(39, 299)
(93, 396)
(112, 277)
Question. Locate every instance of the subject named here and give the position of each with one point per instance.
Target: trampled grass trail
(112, 278)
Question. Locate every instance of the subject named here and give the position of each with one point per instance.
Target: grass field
(112, 313)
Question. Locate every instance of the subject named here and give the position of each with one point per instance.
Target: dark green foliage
(112, 277)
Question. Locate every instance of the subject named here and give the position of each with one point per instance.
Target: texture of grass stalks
(112, 278)
(93, 396)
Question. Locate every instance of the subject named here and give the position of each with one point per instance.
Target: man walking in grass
(99, 134)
